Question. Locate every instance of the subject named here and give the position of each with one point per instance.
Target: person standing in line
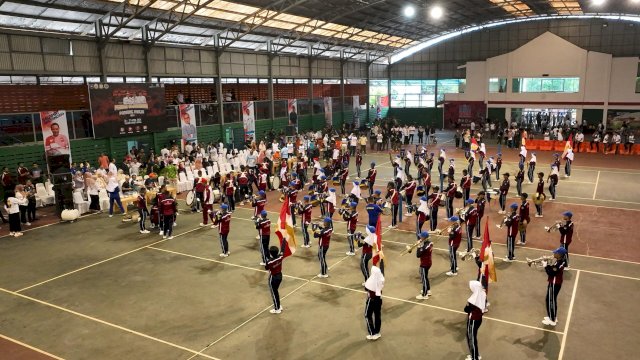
(504, 190)
(434, 204)
(373, 305)
(540, 196)
(143, 211)
(222, 221)
(471, 219)
(394, 198)
(455, 238)
(555, 275)
(480, 205)
(263, 225)
(524, 218)
(424, 253)
(511, 222)
(531, 168)
(474, 309)
(358, 162)
(169, 210)
(498, 166)
(207, 203)
(552, 179)
(274, 265)
(519, 178)
(324, 239)
(367, 243)
(351, 217)
(305, 218)
(568, 160)
(371, 177)
(566, 234)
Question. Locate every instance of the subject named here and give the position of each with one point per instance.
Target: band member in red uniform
(520, 178)
(525, 219)
(566, 234)
(373, 306)
(394, 197)
(409, 188)
(305, 211)
(371, 177)
(455, 238)
(471, 220)
(480, 204)
(539, 195)
(504, 190)
(434, 204)
(207, 202)
(263, 225)
(168, 209)
(263, 177)
(258, 204)
(474, 307)
(292, 195)
(512, 221)
(465, 184)
(274, 265)
(143, 211)
(229, 189)
(450, 192)
(343, 174)
(422, 214)
(243, 184)
(555, 272)
(424, 254)
(324, 239)
(222, 221)
(358, 162)
(351, 217)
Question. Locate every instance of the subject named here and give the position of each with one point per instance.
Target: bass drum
(216, 195)
(191, 198)
(275, 182)
(538, 198)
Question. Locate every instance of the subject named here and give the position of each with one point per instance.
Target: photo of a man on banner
(55, 132)
(292, 106)
(187, 115)
(356, 111)
(328, 112)
(248, 119)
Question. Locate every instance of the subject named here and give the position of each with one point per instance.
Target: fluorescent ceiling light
(409, 11)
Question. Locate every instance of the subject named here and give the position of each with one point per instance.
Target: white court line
(566, 325)
(104, 322)
(47, 225)
(30, 347)
(102, 261)
(595, 189)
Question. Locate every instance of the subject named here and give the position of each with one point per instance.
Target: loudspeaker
(58, 164)
(64, 196)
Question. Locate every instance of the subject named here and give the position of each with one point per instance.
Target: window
(115, 79)
(413, 93)
(546, 85)
(247, 81)
(497, 85)
(16, 129)
(450, 86)
(135, 79)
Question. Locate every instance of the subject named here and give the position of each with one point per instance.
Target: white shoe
(429, 293)
(549, 322)
(257, 237)
(420, 297)
(164, 237)
(376, 337)
(538, 216)
(362, 284)
(408, 214)
(519, 243)
(506, 258)
(147, 231)
(214, 226)
(170, 237)
(449, 273)
(369, 337)
(390, 226)
(175, 224)
(203, 224)
(28, 223)
(262, 264)
(350, 253)
(161, 233)
(142, 232)
(18, 234)
(275, 311)
(223, 255)
(111, 215)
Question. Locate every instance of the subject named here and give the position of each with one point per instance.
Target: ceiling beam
(136, 10)
(177, 15)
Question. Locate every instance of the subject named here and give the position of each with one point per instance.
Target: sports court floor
(97, 289)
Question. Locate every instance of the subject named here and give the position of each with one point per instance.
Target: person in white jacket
(12, 206)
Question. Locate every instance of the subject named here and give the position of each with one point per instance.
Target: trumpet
(468, 255)
(442, 232)
(409, 248)
(554, 227)
(504, 222)
(315, 227)
(538, 262)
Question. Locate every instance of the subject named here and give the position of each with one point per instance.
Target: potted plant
(170, 173)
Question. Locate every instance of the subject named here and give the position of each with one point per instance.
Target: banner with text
(328, 112)
(249, 119)
(124, 109)
(55, 132)
(187, 116)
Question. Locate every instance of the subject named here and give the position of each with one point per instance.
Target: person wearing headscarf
(552, 179)
(531, 168)
(475, 305)
(523, 155)
(367, 243)
(373, 305)
(423, 253)
(555, 272)
(422, 214)
(331, 202)
(568, 160)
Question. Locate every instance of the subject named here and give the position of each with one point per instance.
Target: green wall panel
(592, 116)
(496, 114)
(418, 116)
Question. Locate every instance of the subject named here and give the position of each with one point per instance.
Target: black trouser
(364, 265)
(394, 214)
(523, 235)
(552, 190)
(409, 198)
(470, 228)
(519, 187)
(358, 169)
(199, 200)
(350, 240)
(31, 211)
(264, 247)
(352, 150)
(478, 226)
(503, 201)
(424, 276)
(322, 256)
(566, 257)
(467, 194)
(142, 218)
(434, 218)
(224, 244)
(305, 232)
(274, 284)
(531, 172)
(167, 224)
(23, 213)
(551, 301)
(449, 203)
(371, 188)
(292, 209)
(95, 202)
(511, 247)
(14, 223)
(497, 173)
(538, 209)
(342, 183)
(244, 192)
(231, 201)
(372, 309)
(472, 337)
(453, 258)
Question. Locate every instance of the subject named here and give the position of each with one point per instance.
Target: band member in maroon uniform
(274, 265)
(243, 184)
(480, 204)
(465, 184)
(471, 220)
(305, 211)
(343, 174)
(229, 192)
(512, 221)
(434, 204)
(504, 191)
(324, 239)
(450, 191)
(455, 238)
(539, 195)
(292, 195)
(358, 162)
(555, 272)
(393, 196)
(263, 177)
(424, 254)
(474, 307)
(168, 209)
(207, 203)
(409, 188)
(525, 219)
(351, 217)
(222, 221)
(566, 234)
(422, 214)
(143, 211)
(263, 225)
(258, 204)
(371, 177)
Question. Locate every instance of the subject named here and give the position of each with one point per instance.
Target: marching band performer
(158, 202)
(524, 218)
(470, 219)
(556, 160)
(450, 191)
(522, 156)
(351, 217)
(263, 225)
(498, 166)
(243, 184)
(481, 154)
(295, 180)
(540, 196)
(292, 195)
(568, 160)
(566, 234)
(324, 238)
(229, 191)
(331, 204)
(465, 184)
(455, 238)
(304, 210)
(409, 187)
(471, 160)
(373, 305)
(475, 304)
(400, 178)
(222, 221)
(429, 162)
(434, 204)
(480, 205)
(143, 211)
(519, 178)
(371, 177)
(408, 159)
(552, 179)
(531, 168)
(451, 171)
(169, 209)
(258, 204)
(263, 178)
(424, 254)
(511, 221)
(356, 193)
(555, 277)
(207, 203)
(343, 174)
(422, 214)
(426, 180)
(394, 197)
(485, 175)
(367, 243)
(358, 162)
(274, 265)
(441, 159)
(374, 211)
(504, 190)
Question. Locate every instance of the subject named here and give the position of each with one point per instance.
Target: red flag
(285, 230)
(286, 250)
(488, 269)
(377, 249)
(474, 144)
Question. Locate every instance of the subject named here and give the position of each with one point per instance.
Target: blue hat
(327, 219)
(514, 206)
(356, 182)
(432, 154)
(454, 218)
(499, 154)
(323, 177)
(224, 206)
(560, 250)
(262, 193)
(306, 198)
(373, 163)
(332, 190)
(292, 183)
(353, 204)
(556, 154)
(377, 192)
(553, 165)
(294, 175)
(567, 213)
(372, 229)
(424, 234)
(470, 201)
(263, 213)
(424, 198)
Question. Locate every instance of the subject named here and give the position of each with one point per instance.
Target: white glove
(544, 264)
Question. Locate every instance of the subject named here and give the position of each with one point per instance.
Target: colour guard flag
(488, 269)
(285, 230)
(378, 255)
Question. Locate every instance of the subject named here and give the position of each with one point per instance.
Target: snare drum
(216, 195)
(275, 182)
(364, 184)
(538, 199)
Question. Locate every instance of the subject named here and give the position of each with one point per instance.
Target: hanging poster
(55, 132)
(187, 114)
(249, 119)
(356, 111)
(292, 106)
(328, 112)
